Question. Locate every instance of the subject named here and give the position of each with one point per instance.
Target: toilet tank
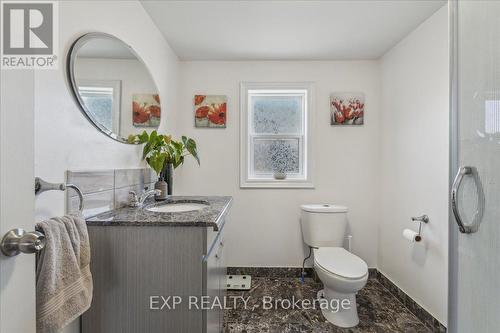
(323, 225)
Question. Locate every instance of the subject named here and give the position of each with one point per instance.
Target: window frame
(265, 180)
(116, 85)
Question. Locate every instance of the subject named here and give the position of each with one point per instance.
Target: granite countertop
(211, 216)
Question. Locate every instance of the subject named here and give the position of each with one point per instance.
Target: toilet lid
(324, 208)
(340, 262)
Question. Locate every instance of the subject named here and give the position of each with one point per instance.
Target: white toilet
(343, 274)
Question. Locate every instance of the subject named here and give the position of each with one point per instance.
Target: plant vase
(168, 175)
(279, 175)
(279, 155)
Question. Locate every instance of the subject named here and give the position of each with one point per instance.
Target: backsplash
(105, 190)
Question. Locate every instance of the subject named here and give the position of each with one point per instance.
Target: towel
(63, 280)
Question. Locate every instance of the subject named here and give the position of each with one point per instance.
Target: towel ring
(43, 186)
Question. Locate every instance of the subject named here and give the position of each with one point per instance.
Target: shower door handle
(478, 215)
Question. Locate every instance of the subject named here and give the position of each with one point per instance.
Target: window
(275, 149)
(102, 100)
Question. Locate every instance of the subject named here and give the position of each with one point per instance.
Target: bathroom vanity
(143, 257)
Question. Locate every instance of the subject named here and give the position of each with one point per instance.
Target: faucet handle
(133, 200)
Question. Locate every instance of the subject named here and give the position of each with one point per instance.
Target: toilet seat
(340, 262)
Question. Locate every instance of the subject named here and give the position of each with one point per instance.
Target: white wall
(64, 139)
(264, 229)
(414, 166)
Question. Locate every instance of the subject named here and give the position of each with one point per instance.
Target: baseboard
(295, 272)
(428, 319)
(271, 272)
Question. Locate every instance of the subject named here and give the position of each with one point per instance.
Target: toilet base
(342, 316)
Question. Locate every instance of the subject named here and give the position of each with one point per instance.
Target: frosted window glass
(277, 114)
(276, 155)
(101, 107)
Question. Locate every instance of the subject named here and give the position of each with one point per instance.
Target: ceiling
(287, 30)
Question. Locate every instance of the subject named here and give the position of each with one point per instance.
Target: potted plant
(280, 154)
(163, 154)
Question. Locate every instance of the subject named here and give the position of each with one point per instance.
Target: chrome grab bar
(478, 215)
(42, 186)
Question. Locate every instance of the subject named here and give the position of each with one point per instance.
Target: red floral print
(154, 110)
(202, 111)
(347, 111)
(140, 115)
(339, 117)
(218, 114)
(198, 99)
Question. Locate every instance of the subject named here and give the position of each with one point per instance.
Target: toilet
(342, 273)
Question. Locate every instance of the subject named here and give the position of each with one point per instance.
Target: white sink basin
(178, 207)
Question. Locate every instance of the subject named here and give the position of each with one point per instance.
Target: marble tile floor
(379, 311)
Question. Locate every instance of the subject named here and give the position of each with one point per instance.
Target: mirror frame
(72, 54)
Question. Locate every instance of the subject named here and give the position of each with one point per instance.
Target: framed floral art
(146, 110)
(210, 111)
(347, 108)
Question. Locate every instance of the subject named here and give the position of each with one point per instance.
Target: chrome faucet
(138, 201)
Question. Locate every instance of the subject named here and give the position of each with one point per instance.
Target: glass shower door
(475, 192)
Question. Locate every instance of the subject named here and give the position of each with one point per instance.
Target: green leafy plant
(160, 150)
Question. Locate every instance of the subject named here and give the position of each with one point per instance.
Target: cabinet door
(222, 271)
(212, 290)
(215, 280)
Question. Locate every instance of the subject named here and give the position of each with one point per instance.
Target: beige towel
(63, 279)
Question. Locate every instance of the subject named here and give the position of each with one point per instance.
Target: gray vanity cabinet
(133, 265)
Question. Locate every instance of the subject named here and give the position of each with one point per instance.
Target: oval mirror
(113, 86)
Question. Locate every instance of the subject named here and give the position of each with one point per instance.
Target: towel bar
(42, 186)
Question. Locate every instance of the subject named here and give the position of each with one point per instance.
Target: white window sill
(277, 184)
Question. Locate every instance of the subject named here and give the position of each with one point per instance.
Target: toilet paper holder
(420, 219)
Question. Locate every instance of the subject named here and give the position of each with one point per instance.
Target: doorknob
(17, 240)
